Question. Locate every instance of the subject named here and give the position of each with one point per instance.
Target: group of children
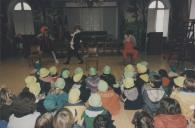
(53, 99)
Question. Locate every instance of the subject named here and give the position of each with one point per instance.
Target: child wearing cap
(92, 80)
(45, 80)
(185, 93)
(75, 105)
(110, 78)
(34, 87)
(131, 97)
(78, 83)
(65, 74)
(95, 108)
(153, 93)
(56, 97)
(80, 70)
(53, 72)
(110, 100)
(142, 75)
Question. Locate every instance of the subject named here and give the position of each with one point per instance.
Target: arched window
(22, 6)
(23, 20)
(158, 17)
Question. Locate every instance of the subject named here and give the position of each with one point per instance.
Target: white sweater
(27, 121)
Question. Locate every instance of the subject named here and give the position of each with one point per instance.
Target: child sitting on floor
(75, 105)
(110, 78)
(142, 120)
(45, 80)
(65, 74)
(6, 99)
(169, 115)
(56, 97)
(64, 119)
(153, 93)
(53, 72)
(131, 97)
(95, 108)
(24, 111)
(92, 80)
(103, 121)
(110, 100)
(78, 83)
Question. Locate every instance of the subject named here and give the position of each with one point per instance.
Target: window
(22, 19)
(22, 6)
(158, 17)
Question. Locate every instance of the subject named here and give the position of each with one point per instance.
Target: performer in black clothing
(75, 46)
(46, 39)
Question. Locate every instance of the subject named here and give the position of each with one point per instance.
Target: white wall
(192, 11)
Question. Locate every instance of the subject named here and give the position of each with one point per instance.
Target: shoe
(81, 62)
(66, 62)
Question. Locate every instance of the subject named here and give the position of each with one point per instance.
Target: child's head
(102, 86)
(63, 119)
(142, 120)
(44, 121)
(60, 83)
(74, 96)
(6, 96)
(92, 71)
(163, 73)
(169, 106)
(24, 104)
(103, 121)
(53, 71)
(107, 70)
(156, 81)
(189, 84)
(65, 73)
(44, 72)
(95, 100)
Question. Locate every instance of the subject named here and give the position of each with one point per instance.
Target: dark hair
(44, 121)
(169, 106)
(156, 81)
(63, 119)
(77, 27)
(189, 84)
(163, 73)
(142, 120)
(103, 121)
(24, 104)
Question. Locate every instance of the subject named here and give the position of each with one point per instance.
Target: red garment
(129, 50)
(110, 101)
(44, 29)
(170, 121)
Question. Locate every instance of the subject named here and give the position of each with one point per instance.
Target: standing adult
(46, 42)
(75, 45)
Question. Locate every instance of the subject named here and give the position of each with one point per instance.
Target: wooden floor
(13, 72)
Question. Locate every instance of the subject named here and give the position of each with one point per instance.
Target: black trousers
(74, 52)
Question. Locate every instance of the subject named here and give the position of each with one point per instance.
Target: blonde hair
(44, 121)
(63, 119)
(5, 96)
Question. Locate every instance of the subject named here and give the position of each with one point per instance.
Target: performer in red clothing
(129, 47)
